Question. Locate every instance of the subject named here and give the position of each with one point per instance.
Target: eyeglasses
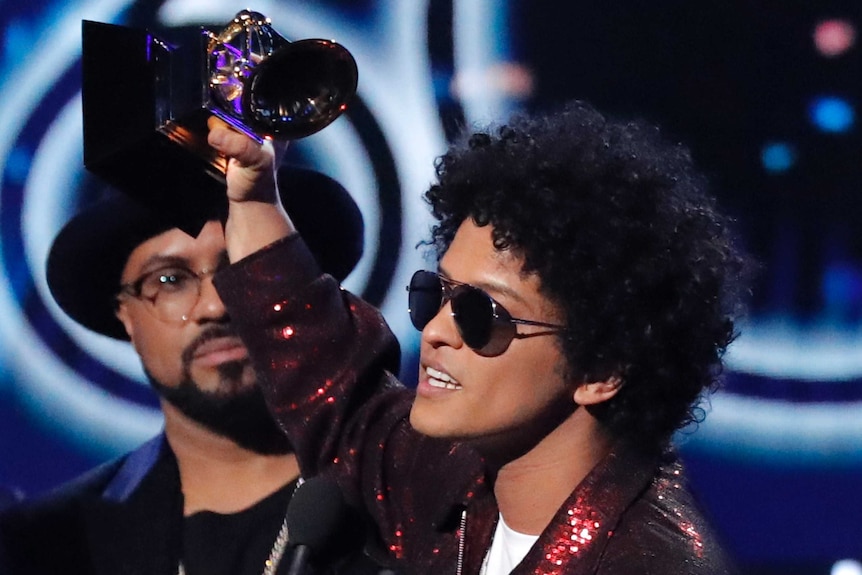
(172, 291)
(484, 325)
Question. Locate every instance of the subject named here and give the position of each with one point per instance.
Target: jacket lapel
(574, 541)
(134, 525)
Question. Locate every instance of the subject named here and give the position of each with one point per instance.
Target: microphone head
(316, 514)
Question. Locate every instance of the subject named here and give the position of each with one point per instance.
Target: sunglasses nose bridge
(440, 326)
(479, 322)
(447, 292)
(428, 294)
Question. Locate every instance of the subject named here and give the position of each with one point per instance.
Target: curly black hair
(619, 227)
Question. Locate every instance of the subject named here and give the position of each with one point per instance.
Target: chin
(429, 423)
(229, 379)
(419, 419)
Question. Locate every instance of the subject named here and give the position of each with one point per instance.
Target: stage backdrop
(766, 94)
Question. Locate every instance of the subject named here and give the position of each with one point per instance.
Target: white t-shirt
(508, 548)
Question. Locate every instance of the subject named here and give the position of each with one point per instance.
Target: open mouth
(441, 380)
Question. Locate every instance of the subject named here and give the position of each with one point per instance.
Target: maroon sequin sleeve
(311, 342)
(324, 358)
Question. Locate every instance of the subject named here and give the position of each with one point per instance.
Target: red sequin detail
(397, 548)
(321, 394)
(572, 537)
(696, 540)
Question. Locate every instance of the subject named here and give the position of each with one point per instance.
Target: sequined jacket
(323, 355)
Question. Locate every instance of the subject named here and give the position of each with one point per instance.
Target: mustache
(210, 333)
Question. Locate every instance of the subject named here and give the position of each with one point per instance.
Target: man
(208, 495)
(584, 298)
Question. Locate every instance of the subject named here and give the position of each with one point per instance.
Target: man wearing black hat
(209, 494)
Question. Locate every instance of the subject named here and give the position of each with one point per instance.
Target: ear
(122, 314)
(596, 392)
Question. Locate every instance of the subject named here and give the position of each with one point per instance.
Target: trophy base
(145, 124)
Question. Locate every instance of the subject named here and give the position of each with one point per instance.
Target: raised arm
(312, 343)
(256, 217)
(325, 360)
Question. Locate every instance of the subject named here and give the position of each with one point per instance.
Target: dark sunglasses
(484, 325)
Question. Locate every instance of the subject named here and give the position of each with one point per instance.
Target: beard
(236, 409)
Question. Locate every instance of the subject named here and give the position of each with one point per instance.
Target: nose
(441, 330)
(209, 306)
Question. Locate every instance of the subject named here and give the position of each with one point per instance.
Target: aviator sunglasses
(484, 325)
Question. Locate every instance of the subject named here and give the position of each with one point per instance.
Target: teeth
(440, 379)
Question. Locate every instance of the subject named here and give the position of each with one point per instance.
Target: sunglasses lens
(473, 310)
(425, 296)
(474, 315)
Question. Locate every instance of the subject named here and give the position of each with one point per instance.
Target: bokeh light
(507, 78)
(778, 157)
(834, 37)
(832, 114)
(847, 567)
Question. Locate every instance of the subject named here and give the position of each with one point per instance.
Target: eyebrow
(157, 261)
(490, 287)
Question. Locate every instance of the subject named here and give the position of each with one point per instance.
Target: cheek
(160, 352)
(531, 384)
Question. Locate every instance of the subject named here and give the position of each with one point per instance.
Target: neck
(218, 475)
(530, 489)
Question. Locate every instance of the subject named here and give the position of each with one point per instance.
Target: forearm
(252, 225)
(316, 348)
(256, 217)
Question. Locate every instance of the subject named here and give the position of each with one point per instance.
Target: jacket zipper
(462, 538)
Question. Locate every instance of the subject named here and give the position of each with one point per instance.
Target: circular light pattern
(834, 37)
(778, 347)
(846, 567)
(397, 85)
(778, 157)
(832, 114)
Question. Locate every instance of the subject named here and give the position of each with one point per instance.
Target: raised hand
(256, 217)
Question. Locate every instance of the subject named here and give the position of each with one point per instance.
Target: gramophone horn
(299, 89)
(265, 85)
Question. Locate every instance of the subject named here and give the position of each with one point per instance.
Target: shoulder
(112, 479)
(53, 521)
(57, 509)
(665, 531)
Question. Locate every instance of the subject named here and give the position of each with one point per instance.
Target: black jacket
(122, 517)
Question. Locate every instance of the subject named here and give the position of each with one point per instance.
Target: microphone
(315, 515)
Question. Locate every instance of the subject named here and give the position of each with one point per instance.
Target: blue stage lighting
(832, 114)
(778, 156)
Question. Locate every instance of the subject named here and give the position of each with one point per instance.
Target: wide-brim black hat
(87, 257)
